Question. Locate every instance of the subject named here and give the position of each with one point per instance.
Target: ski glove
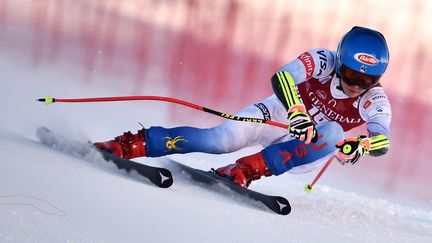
(352, 149)
(301, 125)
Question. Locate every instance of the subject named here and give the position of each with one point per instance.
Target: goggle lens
(354, 78)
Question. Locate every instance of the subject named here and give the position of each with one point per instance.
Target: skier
(322, 93)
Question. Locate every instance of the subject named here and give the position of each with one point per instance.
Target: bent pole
(49, 100)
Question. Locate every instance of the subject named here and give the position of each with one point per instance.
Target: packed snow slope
(50, 196)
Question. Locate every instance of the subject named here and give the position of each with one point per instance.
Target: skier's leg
(227, 137)
(293, 156)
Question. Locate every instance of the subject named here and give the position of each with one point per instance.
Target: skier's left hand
(352, 149)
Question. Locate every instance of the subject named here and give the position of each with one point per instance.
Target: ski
(159, 176)
(277, 204)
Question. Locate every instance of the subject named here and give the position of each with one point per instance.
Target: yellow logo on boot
(171, 144)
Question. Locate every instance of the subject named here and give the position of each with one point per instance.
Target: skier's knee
(330, 133)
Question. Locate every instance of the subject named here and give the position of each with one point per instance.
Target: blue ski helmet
(363, 50)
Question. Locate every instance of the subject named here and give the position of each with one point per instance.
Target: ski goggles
(354, 78)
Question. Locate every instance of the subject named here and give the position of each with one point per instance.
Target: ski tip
(283, 206)
(47, 100)
(165, 180)
(166, 183)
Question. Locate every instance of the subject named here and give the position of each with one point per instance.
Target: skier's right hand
(301, 125)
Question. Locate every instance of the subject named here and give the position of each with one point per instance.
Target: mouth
(351, 92)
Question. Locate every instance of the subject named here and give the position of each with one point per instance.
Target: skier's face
(351, 91)
(354, 83)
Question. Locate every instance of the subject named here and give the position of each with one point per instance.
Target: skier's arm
(284, 87)
(375, 108)
(379, 145)
(316, 63)
(301, 125)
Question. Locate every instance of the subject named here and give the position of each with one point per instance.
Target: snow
(50, 196)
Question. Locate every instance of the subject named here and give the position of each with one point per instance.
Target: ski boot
(245, 170)
(126, 146)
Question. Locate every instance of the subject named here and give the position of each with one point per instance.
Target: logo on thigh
(302, 150)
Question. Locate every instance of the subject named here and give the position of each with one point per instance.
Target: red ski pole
(50, 100)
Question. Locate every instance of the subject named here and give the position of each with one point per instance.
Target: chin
(353, 95)
(350, 94)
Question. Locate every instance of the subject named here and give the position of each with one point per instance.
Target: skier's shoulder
(374, 102)
(375, 95)
(318, 63)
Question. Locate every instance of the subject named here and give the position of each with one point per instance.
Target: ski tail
(161, 177)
